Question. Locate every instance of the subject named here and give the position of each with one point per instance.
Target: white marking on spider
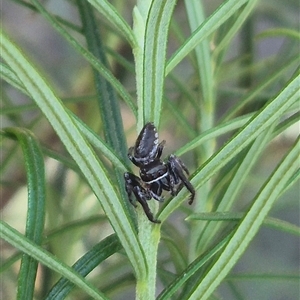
(158, 178)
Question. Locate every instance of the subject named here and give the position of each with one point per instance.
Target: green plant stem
(149, 235)
(151, 24)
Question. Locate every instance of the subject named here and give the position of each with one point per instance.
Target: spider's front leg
(160, 148)
(155, 190)
(133, 184)
(177, 176)
(131, 157)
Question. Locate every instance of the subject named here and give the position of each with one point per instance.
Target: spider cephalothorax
(155, 175)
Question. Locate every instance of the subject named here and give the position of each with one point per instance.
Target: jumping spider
(155, 175)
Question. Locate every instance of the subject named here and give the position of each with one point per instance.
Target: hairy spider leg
(130, 182)
(146, 208)
(177, 176)
(131, 157)
(133, 185)
(160, 148)
(155, 190)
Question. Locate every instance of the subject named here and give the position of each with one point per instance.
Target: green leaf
(85, 265)
(204, 67)
(255, 126)
(249, 226)
(191, 270)
(286, 32)
(78, 148)
(242, 17)
(115, 19)
(237, 216)
(264, 276)
(11, 78)
(109, 106)
(88, 56)
(154, 60)
(236, 184)
(223, 13)
(214, 132)
(90, 135)
(38, 253)
(258, 90)
(34, 163)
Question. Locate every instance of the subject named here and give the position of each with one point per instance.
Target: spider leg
(130, 181)
(131, 156)
(133, 185)
(172, 182)
(142, 199)
(160, 148)
(177, 169)
(155, 190)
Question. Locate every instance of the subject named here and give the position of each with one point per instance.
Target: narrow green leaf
(256, 91)
(38, 253)
(115, 19)
(6, 264)
(264, 276)
(242, 16)
(91, 136)
(223, 13)
(295, 178)
(204, 70)
(255, 126)
(85, 265)
(35, 171)
(237, 216)
(212, 133)
(204, 67)
(191, 270)
(154, 59)
(249, 226)
(100, 144)
(279, 32)
(82, 153)
(10, 77)
(88, 56)
(109, 106)
(237, 182)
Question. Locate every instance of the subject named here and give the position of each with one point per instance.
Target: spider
(155, 175)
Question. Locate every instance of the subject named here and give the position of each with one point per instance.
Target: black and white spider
(155, 175)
